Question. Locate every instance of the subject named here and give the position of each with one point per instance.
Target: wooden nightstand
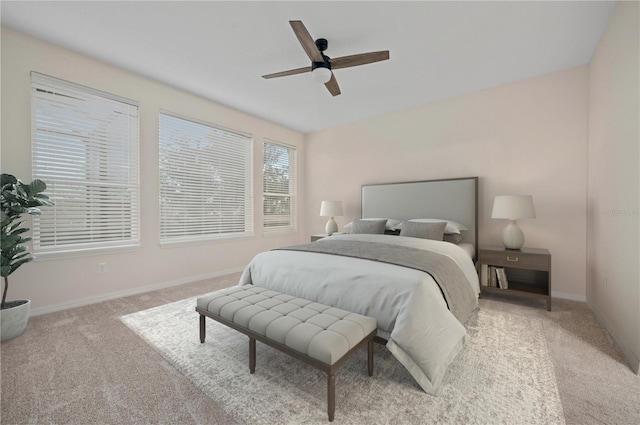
(526, 271)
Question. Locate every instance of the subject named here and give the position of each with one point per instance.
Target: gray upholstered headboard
(453, 199)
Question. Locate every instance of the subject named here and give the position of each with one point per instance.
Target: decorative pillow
(368, 226)
(455, 238)
(391, 222)
(452, 226)
(423, 230)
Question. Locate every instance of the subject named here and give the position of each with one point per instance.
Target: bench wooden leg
(203, 331)
(370, 357)
(252, 355)
(331, 396)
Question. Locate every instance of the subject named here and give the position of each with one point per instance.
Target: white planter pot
(13, 321)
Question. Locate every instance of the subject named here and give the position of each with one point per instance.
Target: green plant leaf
(36, 187)
(33, 210)
(16, 199)
(7, 179)
(16, 264)
(18, 230)
(17, 257)
(5, 270)
(17, 250)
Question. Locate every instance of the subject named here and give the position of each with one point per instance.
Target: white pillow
(452, 226)
(392, 224)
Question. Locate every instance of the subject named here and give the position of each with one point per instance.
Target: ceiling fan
(321, 64)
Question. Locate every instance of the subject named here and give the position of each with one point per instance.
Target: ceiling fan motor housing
(322, 45)
(325, 64)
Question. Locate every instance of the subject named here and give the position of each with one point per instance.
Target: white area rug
(503, 376)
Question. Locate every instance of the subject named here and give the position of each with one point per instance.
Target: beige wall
(55, 284)
(613, 276)
(528, 137)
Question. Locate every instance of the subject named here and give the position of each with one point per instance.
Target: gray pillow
(368, 226)
(423, 230)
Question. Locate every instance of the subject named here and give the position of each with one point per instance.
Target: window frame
(206, 234)
(111, 191)
(292, 194)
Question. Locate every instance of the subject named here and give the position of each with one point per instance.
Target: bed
(421, 291)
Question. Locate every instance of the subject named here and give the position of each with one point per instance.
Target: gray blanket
(457, 293)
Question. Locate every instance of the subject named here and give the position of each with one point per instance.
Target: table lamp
(331, 209)
(513, 207)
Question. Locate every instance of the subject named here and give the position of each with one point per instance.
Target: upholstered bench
(320, 335)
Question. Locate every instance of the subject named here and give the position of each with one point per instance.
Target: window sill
(84, 252)
(280, 233)
(192, 242)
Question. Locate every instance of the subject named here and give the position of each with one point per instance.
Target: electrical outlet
(102, 268)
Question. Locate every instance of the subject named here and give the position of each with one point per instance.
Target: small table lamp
(513, 207)
(331, 209)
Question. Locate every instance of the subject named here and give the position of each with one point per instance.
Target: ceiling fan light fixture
(322, 64)
(321, 74)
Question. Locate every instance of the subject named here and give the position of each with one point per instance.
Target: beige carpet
(85, 366)
(504, 375)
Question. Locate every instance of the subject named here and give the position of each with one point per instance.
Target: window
(85, 147)
(279, 185)
(205, 181)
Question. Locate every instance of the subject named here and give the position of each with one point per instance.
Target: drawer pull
(513, 260)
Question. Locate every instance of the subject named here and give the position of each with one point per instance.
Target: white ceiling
(219, 50)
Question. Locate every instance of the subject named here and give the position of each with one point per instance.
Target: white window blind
(279, 186)
(85, 148)
(205, 181)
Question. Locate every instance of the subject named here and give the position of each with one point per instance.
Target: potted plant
(17, 199)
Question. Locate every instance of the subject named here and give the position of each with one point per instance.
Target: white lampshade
(321, 74)
(513, 207)
(331, 209)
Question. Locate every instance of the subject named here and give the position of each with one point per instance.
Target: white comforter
(408, 305)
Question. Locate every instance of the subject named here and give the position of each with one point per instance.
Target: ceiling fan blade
(332, 85)
(359, 59)
(289, 72)
(308, 44)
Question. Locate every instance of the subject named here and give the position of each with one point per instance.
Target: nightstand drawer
(516, 259)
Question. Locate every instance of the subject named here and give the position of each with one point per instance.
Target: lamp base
(331, 227)
(512, 236)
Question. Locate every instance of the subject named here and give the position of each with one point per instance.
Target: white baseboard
(565, 296)
(113, 295)
(632, 360)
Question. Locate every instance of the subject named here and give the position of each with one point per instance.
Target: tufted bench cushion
(320, 335)
(317, 330)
